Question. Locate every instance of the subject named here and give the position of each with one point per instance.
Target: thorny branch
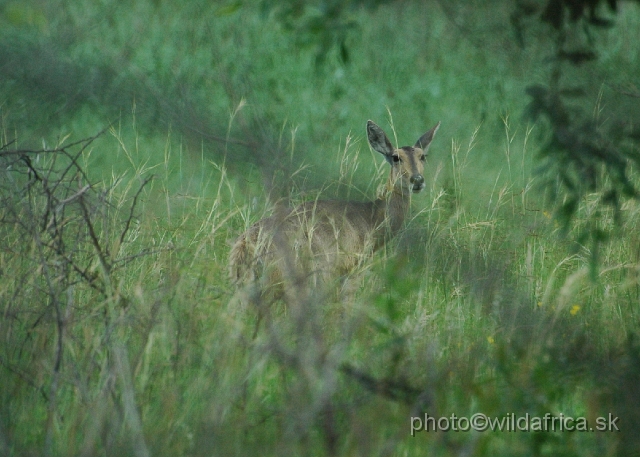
(53, 219)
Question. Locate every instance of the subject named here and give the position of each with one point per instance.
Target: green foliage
(322, 25)
(24, 15)
(585, 157)
(157, 347)
(121, 333)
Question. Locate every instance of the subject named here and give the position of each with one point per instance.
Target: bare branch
(132, 208)
(388, 388)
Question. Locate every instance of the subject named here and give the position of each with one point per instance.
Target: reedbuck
(328, 238)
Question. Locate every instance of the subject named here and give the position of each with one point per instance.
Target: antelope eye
(395, 158)
(423, 157)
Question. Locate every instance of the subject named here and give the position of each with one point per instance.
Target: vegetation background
(139, 139)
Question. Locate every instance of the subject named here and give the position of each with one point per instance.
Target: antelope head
(407, 162)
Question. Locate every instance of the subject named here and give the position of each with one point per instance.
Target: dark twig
(93, 237)
(132, 208)
(389, 388)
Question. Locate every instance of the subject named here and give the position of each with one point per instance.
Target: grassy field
(121, 333)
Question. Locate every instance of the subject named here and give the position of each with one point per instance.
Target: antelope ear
(424, 141)
(378, 139)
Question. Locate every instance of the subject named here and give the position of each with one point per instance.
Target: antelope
(323, 238)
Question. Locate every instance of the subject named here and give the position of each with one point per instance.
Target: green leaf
(229, 9)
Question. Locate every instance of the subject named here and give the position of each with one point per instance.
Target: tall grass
(470, 310)
(121, 334)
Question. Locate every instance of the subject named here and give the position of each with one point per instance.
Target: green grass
(479, 305)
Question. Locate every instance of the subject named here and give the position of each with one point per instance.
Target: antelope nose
(417, 181)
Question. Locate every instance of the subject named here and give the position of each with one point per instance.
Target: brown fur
(324, 238)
